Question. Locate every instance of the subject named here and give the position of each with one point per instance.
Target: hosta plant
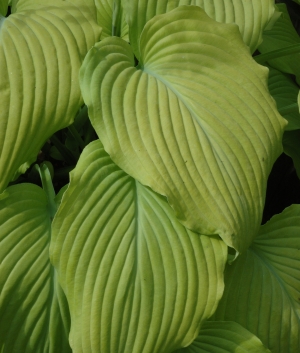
(169, 116)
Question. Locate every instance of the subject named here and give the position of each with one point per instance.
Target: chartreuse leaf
(282, 35)
(285, 92)
(224, 337)
(111, 17)
(252, 17)
(194, 120)
(291, 147)
(33, 309)
(136, 280)
(262, 287)
(41, 50)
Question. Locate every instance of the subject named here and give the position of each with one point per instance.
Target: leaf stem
(76, 136)
(116, 18)
(48, 188)
(67, 155)
(274, 54)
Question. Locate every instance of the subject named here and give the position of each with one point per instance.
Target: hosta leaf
(224, 337)
(262, 287)
(283, 34)
(252, 17)
(41, 50)
(111, 17)
(136, 280)
(194, 121)
(291, 147)
(33, 309)
(285, 92)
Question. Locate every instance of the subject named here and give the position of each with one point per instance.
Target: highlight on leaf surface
(252, 17)
(136, 280)
(33, 309)
(262, 287)
(194, 120)
(41, 50)
(224, 337)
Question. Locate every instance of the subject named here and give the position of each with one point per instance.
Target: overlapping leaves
(136, 280)
(283, 34)
(252, 17)
(41, 50)
(262, 288)
(194, 120)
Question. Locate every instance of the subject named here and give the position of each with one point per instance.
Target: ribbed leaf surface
(283, 34)
(41, 50)
(284, 90)
(252, 17)
(262, 287)
(110, 13)
(225, 337)
(33, 309)
(136, 280)
(194, 121)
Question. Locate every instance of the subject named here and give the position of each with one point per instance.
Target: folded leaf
(41, 50)
(224, 337)
(194, 120)
(33, 309)
(252, 17)
(136, 280)
(262, 287)
(284, 90)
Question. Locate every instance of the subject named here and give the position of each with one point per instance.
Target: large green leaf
(252, 17)
(285, 92)
(194, 120)
(33, 309)
(136, 280)
(111, 18)
(41, 50)
(224, 337)
(262, 287)
(283, 34)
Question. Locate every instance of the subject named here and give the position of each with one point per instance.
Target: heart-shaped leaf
(252, 17)
(41, 49)
(194, 120)
(136, 280)
(262, 287)
(33, 309)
